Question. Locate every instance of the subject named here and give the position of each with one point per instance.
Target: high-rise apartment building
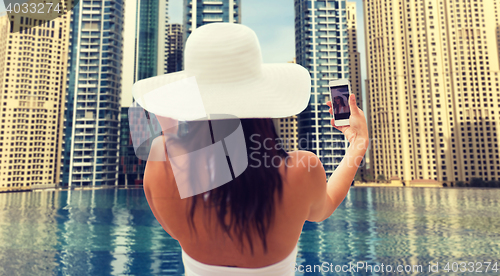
(286, 128)
(93, 94)
(200, 12)
(175, 48)
(355, 67)
(33, 66)
(354, 57)
(433, 89)
(131, 170)
(151, 39)
(322, 46)
(151, 55)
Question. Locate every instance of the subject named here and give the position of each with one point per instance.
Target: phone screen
(340, 102)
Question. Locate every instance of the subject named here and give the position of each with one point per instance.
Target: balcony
(87, 85)
(81, 163)
(83, 140)
(212, 20)
(212, 11)
(208, 2)
(82, 171)
(76, 178)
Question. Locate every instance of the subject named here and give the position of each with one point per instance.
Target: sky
(2, 8)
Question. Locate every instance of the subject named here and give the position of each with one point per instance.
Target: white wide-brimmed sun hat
(224, 74)
(336, 93)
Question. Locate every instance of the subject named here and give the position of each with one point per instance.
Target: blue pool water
(113, 232)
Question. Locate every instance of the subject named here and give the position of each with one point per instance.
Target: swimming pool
(113, 232)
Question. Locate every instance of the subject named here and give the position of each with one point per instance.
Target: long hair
(337, 106)
(248, 200)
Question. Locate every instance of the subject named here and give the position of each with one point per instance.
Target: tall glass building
(151, 58)
(321, 45)
(151, 47)
(93, 96)
(200, 12)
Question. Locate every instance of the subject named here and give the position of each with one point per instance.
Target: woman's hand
(357, 131)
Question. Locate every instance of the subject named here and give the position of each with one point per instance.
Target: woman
(339, 106)
(251, 224)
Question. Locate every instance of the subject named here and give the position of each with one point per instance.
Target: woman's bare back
(209, 244)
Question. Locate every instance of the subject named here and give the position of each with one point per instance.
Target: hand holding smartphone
(352, 123)
(340, 90)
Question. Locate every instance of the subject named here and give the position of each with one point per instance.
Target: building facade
(355, 69)
(175, 48)
(152, 51)
(33, 66)
(286, 128)
(433, 88)
(354, 56)
(151, 39)
(322, 46)
(131, 167)
(93, 94)
(200, 12)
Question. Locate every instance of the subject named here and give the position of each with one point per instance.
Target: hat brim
(281, 90)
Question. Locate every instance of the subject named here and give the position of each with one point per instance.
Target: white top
(283, 268)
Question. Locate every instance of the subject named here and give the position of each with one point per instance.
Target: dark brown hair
(249, 199)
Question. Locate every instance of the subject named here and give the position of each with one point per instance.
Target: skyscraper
(151, 39)
(93, 94)
(151, 58)
(33, 60)
(322, 47)
(286, 128)
(175, 48)
(355, 67)
(433, 88)
(354, 57)
(200, 12)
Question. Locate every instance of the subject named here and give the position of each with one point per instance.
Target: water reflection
(113, 232)
(94, 232)
(415, 227)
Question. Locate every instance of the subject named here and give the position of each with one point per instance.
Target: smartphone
(340, 90)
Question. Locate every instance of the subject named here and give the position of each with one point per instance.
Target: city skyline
(459, 117)
(275, 30)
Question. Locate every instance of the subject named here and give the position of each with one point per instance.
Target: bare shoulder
(310, 177)
(304, 160)
(307, 168)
